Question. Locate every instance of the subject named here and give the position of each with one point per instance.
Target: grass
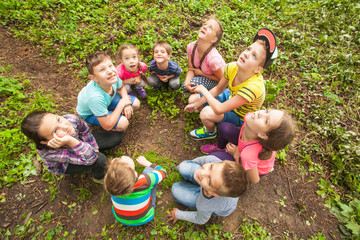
(316, 76)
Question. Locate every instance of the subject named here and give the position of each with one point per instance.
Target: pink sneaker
(141, 92)
(209, 148)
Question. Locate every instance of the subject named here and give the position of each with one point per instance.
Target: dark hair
(234, 178)
(95, 59)
(119, 179)
(120, 55)
(219, 35)
(278, 138)
(124, 47)
(163, 44)
(30, 127)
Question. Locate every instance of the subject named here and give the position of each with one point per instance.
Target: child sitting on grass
(215, 189)
(205, 64)
(66, 144)
(165, 70)
(246, 89)
(133, 196)
(130, 70)
(254, 146)
(104, 100)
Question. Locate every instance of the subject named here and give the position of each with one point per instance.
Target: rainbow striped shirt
(136, 208)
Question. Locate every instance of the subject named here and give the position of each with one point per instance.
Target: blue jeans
(187, 193)
(153, 191)
(94, 121)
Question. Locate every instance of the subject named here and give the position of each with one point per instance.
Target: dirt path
(285, 201)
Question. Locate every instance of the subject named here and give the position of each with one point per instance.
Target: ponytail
(203, 56)
(265, 154)
(218, 35)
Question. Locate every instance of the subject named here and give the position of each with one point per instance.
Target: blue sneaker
(202, 134)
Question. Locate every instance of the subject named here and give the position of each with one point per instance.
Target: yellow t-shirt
(253, 90)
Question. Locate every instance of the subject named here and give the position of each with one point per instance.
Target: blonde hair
(219, 35)
(119, 179)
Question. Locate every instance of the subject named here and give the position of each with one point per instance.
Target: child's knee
(227, 128)
(136, 104)
(207, 113)
(194, 97)
(123, 124)
(176, 190)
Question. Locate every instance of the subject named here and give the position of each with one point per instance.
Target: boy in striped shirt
(133, 196)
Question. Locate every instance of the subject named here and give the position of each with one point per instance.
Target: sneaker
(141, 92)
(100, 181)
(202, 134)
(209, 148)
(131, 93)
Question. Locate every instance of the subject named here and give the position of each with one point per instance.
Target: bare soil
(301, 216)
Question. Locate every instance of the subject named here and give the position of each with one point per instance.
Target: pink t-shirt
(125, 74)
(212, 62)
(249, 152)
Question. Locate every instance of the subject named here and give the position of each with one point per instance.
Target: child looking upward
(104, 100)
(254, 146)
(133, 196)
(214, 188)
(130, 70)
(165, 70)
(205, 64)
(246, 89)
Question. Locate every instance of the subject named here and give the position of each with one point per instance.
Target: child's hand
(164, 78)
(190, 86)
(192, 107)
(231, 148)
(236, 156)
(58, 142)
(137, 80)
(200, 89)
(172, 216)
(128, 111)
(143, 161)
(125, 101)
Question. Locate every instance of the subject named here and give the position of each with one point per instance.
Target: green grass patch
(16, 164)
(316, 76)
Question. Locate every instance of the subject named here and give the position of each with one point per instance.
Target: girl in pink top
(263, 133)
(130, 70)
(205, 64)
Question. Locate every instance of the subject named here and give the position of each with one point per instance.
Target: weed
(315, 76)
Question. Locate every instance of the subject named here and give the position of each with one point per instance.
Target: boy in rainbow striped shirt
(133, 196)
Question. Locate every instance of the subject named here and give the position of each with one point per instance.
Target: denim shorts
(94, 121)
(231, 116)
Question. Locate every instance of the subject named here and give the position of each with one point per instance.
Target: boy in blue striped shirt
(164, 70)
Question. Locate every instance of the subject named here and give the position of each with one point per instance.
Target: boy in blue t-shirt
(165, 70)
(104, 100)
